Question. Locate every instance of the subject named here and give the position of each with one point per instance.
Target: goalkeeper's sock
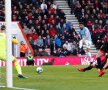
(18, 67)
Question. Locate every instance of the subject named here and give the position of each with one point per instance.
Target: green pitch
(61, 78)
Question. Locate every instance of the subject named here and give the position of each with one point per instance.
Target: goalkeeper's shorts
(3, 56)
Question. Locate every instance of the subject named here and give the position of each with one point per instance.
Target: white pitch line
(18, 88)
(23, 88)
(2, 86)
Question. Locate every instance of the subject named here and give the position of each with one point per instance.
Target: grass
(60, 78)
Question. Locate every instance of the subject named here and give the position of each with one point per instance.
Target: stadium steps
(63, 4)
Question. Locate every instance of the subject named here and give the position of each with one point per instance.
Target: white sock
(90, 56)
(80, 44)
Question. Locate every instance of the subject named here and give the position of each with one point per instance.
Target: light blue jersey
(84, 32)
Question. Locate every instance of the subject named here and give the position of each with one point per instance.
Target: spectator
(89, 24)
(48, 41)
(72, 32)
(96, 24)
(43, 52)
(54, 5)
(59, 53)
(98, 44)
(74, 46)
(57, 41)
(39, 43)
(67, 45)
(52, 31)
(101, 13)
(52, 19)
(43, 5)
(68, 25)
(23, 49)
(52, 10)
(57, 30)
(62, 15)
(26, 29)
(31, 42)
(63, 29)
(60, 24)
(62, 40)
(106, 27)
(53, 47)
(65, 52)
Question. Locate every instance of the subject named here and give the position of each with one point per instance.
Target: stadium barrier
(68, 60)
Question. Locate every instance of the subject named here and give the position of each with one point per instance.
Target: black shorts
(104, 48)
(103, 62)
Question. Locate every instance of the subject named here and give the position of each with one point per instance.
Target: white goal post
(9, 76)
(9, 33)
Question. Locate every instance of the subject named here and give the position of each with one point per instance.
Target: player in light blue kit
(85, 40)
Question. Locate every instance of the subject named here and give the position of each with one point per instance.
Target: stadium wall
(69, 60)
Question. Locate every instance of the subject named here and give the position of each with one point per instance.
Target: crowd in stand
(94, 14)
(2, 9)
(45, 24)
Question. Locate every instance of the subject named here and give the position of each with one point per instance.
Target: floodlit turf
(61, 78)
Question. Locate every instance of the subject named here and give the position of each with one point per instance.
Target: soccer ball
(39, 70)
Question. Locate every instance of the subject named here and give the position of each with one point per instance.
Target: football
(39, 70)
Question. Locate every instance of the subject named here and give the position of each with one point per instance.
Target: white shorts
(87, 43)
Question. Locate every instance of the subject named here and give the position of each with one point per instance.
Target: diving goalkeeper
(3, 52)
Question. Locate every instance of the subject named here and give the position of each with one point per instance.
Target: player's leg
(18, 67)
(88, 46)
(3, 57)
(15, 61)
(98, 57)
(89, 55)
(100, 53)
(80, 43)
(106, 65)
(85, 69)
(99, 63)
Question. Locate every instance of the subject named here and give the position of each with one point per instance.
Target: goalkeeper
(3, 52)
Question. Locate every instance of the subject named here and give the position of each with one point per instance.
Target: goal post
(9, 76)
